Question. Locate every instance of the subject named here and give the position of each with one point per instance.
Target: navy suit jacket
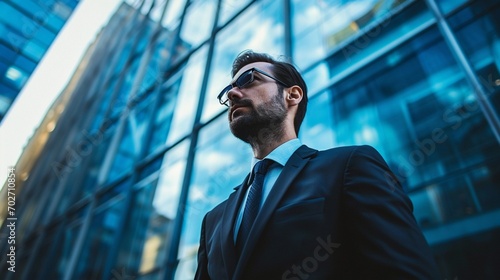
(334, 214)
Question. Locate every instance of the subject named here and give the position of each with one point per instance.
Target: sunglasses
(245, 79)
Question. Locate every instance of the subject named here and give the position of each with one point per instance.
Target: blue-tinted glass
(102, 235)
(54, 23)
(81, 177)
(132, 143)
(259, 28)
(11, 38)
(317, 129)
(124, 89)
(35, 210)
(71, 3)
(7, 50)
(412, 132)
(34, 50)
(63, 249)
(123, 160)
(37, 10)
(3, 69)
(198, 22)
(471, 256)
(103, 106)
(485, 180)
(447, 6)
(478, 31)
(63, 8)
(217, 170)
(16, 77)
(155, 201)
(229, 8)
(15, 19)
(163, 118)
(187, 98)
(8, 91)
(41, 267)
(44, 36)
(27, 65)
(320, 28)
(316, 78)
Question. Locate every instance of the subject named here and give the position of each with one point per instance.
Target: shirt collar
(282, 153)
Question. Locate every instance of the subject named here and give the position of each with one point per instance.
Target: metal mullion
(173, 250)
(463, 62)
(128, 199)
(104, 168)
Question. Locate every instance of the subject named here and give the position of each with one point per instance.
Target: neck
(266, 144)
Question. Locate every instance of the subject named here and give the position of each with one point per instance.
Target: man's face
(259, 109)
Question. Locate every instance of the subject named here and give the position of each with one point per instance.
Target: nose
(234, 94)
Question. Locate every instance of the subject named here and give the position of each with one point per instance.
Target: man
(303, 213)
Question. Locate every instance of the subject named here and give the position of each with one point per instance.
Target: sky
(50, 77)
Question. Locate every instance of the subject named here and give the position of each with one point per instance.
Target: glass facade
(27, 29)
(143, 149)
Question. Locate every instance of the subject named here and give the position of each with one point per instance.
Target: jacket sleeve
(202, 270)
(387, 242)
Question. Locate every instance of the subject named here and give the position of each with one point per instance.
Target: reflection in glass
(259, 28)
(422, 86)
(132, 142)
(229, 8)
(155, 200)
(104, 229)
(321, 27)
(79, 170)
(198, 22)
(480, 40)
(58, 244)
(163, 118)
(185, 108)
(317, 130)
(221, 164)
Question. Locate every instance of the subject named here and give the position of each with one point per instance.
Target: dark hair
(283, 71)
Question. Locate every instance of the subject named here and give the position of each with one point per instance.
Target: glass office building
(27, 29)
(143, 150)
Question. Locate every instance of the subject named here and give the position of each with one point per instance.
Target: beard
(262, 124)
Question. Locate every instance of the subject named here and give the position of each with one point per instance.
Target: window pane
(317, 128)
(415, 106)
(478, 31)
(34, 50)
(80, 178)
(16, 77)
(103, 232)
(148, 230)
(164, 114)
(13, 39)
(321, 27)
(25, 64)
(448, 5)
(229, 9)
(192, 76)
(54, 23)
(44, 36)
(217, 170)
(198, 22)
(261, 29)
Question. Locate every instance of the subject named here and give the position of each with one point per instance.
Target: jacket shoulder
(347, 151)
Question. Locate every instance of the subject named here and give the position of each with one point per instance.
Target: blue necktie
(252, 205)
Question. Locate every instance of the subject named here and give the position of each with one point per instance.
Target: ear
(293, 95)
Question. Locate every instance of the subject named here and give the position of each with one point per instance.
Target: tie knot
(262, 166)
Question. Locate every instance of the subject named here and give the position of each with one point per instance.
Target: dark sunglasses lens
(223, 93)
(244, 79)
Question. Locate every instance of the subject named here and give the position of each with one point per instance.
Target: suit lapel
(226, 234)
(291, 169)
